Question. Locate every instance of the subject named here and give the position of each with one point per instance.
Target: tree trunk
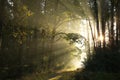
(102, 21)
(97, 18)
(117, 5)
(112, 24)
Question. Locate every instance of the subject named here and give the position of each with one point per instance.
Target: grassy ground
(73, 75)
(69, 75)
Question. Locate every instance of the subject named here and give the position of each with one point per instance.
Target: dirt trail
(61, 75)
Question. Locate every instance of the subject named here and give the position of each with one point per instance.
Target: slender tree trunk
(112, 24)
(117, 6)
(2, 24)
(103, 20)
(97, 18)
(103, 31)
(108, 25)
(92, 33)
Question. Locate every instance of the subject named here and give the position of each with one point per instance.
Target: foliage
(28, 29)
(20, 14)
(73, 37)
(35, 76)
(103, 61)
(96, 76)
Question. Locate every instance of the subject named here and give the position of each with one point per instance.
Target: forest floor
(74, 75)
(70, 75)
(66, 75)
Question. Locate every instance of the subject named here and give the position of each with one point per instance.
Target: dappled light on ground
(56, 78)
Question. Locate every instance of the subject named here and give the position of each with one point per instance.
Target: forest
(59, 39)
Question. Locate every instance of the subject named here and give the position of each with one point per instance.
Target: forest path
(62, 75)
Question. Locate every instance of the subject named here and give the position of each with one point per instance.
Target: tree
(117, 6)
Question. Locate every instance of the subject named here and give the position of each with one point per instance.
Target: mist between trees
(43, 35)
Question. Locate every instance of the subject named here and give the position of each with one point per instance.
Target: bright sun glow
(78, 63)
(101, 38)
